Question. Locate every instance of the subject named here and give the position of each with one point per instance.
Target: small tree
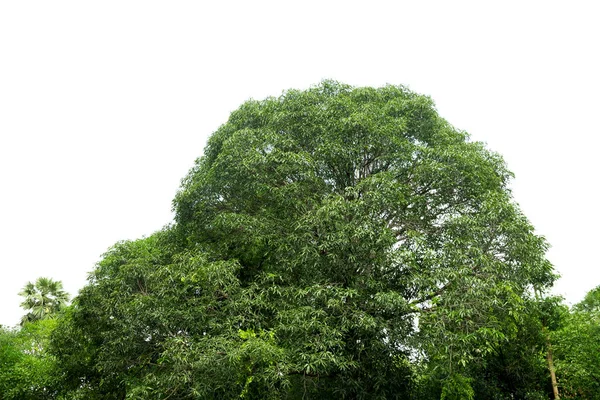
(43, 298)
(578, 349)
(27, 370)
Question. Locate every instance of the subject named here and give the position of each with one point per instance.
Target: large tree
(326, 243)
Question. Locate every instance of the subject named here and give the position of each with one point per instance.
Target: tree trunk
(551, 368)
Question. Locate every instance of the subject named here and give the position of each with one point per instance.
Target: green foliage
(337, 242)
(577, 349)
(457, 387)
(516, 368)
(27, 370)
(42, 299)
(590, 303)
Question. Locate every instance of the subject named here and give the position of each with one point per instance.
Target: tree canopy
(336, 242)
(42, 299)
(577, 342)
(27, 369)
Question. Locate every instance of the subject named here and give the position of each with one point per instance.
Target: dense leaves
(42, 299)
(335, 243)
(27, 370)
(577, 349)
(369, 192)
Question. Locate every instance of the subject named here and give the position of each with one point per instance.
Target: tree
(577, 349)
(327, 243)
(590, 303)
(43, 298)
(27, 370)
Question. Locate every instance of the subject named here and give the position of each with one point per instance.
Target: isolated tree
(42, 299)
(326, 243)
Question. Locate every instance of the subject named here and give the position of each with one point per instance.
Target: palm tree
(43, 299)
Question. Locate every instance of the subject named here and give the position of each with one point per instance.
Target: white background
(104, 105)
